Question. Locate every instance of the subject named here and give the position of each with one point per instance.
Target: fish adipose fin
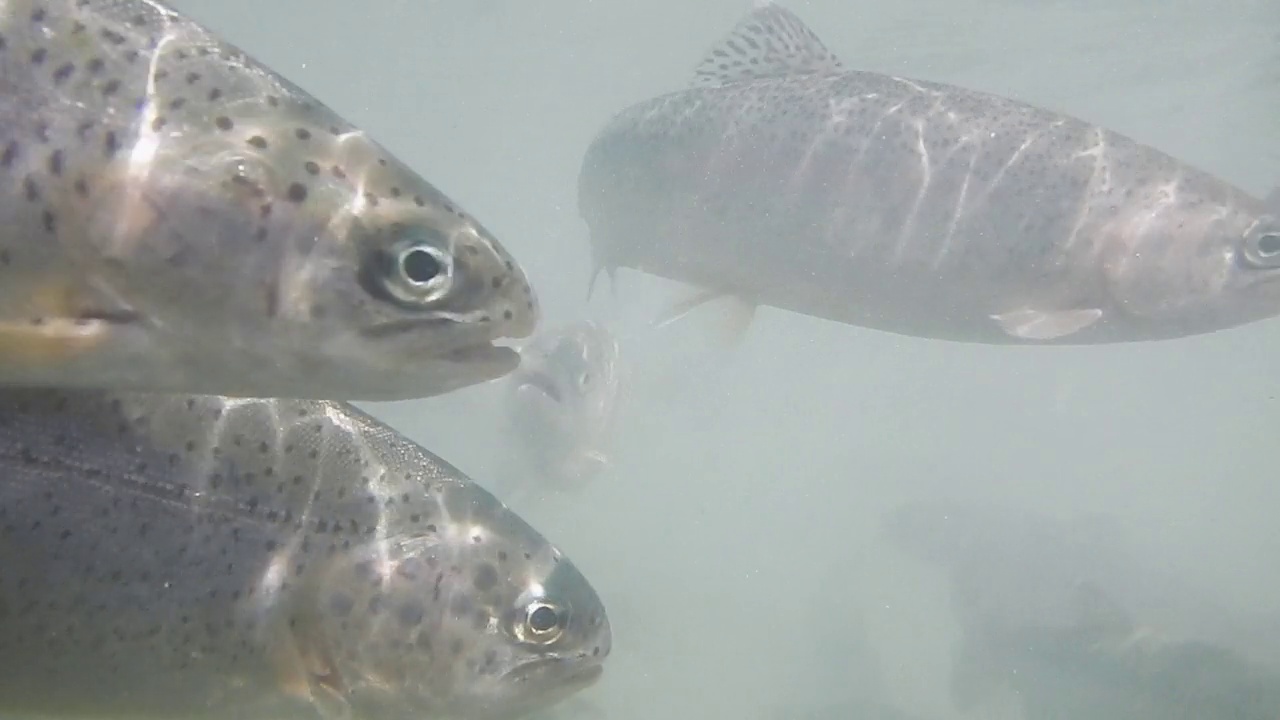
(1029, 324)
(770, 42)
(733, 323)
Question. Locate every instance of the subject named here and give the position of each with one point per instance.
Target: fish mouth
(484, 353)
(567, 674)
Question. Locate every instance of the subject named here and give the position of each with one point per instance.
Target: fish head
(562, 401)
(474, 614)
(1198, 261)
(414, 285)
(353, 271)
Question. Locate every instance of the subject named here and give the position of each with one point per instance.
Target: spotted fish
(781, 178)
(179, 218)
(561, 404)
(194, 556)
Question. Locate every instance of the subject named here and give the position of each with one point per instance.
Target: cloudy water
(809, 519)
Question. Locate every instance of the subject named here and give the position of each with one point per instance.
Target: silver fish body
(197, 556)
(179, 218)
(561, 404)
(783, 179)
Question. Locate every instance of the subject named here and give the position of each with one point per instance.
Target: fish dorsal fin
(770, 42)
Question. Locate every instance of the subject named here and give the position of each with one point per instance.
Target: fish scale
(180, 218)
(195, 556)
(779, 177)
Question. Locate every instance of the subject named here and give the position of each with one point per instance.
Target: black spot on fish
(10, 154)
(30, 189)
(110, 144)
(338, 172)
(214, 94)
(419, 201)
(258, 141)
(177, 103)
(410, 614)
(110, 87)
(37, 15)
(82, 187)
(302, 134)
(487, 576)
(297, 192)
(193, 78)
(48, 220)
(340, 604)
(62, 73)
(38, 55)
(222, 122)
(55, 163)
(311, 168)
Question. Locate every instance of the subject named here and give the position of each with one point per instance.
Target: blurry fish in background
(560, 407)
(781, 178)
(192, 556)
(179, 218)
(1103, 665)
(1060, 616)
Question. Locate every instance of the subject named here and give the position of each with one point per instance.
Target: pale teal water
(733, 541)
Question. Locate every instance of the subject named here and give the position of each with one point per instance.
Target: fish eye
(1268, 245)
(542, 623)
(415, 272)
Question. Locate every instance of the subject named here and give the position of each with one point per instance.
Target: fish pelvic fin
(610, 270)
(770, 42)
(1032, 325)
(733, 324)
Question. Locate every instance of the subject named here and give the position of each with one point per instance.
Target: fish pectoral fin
(770, 42)
(610, 271)
(54, 322)
(46, 340)
(1030, 324)
(734, 323)
(307, 674)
